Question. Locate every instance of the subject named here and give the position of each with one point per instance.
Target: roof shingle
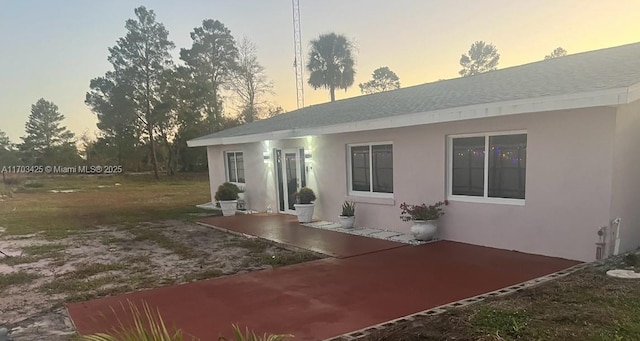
(610, 68)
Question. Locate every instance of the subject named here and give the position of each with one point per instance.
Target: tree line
(148, 106)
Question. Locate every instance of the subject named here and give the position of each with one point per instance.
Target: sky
(52, 49)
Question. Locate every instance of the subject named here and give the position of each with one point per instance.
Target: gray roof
(610, 68)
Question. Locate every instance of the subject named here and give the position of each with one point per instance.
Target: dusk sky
(52, 49)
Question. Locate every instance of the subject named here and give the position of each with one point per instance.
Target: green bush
(305, 195)
(227, 191)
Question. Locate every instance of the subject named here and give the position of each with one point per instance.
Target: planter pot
(242, 201)
(228, 207)
(304, 212)
(424, 229)
(347, 221)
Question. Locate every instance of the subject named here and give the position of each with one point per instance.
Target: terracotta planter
(304, 212)
(424, 229)
(228, 207)
(347, 221)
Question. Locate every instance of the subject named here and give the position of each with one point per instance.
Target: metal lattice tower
(298, 62)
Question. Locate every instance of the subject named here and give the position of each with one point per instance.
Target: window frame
(485, 198)
(226, 166)
(370, 193)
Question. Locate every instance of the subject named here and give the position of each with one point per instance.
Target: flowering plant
(422, 212)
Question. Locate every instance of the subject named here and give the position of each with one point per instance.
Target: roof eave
(607, 97)
(633, 93)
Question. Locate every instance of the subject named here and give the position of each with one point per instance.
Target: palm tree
(330, 63)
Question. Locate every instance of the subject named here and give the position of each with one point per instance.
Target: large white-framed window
(487, 167)
(234, 162)
(370, 169)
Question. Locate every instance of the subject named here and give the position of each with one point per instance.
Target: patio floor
(286, 229)
(328, 297)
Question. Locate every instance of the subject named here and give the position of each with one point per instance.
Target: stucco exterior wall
(568, 190)
(568, 182)
(260, 178)
(625, 196)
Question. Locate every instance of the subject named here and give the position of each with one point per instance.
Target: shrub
(227, 191)
(348, 209)
(251, 336)
(148, 325)
(422, 212)
(305, 195)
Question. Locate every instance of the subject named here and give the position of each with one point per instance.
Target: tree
(5, 143)
(383, 80)
(117, 120)
(211, 60)
(46, 141)
(558, 52)
(482, 57)
(139, 60)
(249, 81)
(8, 154)
(331, 64)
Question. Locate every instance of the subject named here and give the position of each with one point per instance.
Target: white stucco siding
(625, 197)
(568, 189)
(568, 182)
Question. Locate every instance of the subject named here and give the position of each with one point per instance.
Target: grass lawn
(98, 201)
(109, 235)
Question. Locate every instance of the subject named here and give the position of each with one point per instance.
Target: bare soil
(42, 274)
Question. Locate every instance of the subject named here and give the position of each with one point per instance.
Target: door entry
(290, 171)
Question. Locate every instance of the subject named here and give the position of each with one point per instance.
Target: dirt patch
(41, 275)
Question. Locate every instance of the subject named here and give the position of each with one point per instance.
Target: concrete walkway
(329, 297)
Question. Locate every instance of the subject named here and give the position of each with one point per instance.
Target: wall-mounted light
(266, 156)
(307, 156)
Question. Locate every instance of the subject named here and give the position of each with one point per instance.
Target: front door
(289, 178)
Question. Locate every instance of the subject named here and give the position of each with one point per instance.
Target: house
(535, 158)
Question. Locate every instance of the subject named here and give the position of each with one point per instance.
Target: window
(371, 168)
(488, 166)
(235, 167)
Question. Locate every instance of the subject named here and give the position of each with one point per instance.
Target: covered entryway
(290, 175)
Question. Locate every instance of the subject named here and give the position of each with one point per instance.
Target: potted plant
(348, 218)
(227, 197)
(304, 206)
(242, 198)
(424, 217)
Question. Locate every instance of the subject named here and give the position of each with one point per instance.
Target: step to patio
(393, 236)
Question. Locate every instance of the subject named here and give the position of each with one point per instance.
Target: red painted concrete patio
(285, 229)
(328, 297)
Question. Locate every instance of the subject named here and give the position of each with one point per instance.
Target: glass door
(289, 179)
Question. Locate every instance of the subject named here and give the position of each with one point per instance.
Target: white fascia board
(608, 97)
(204, 142)
(634, 93)
(272, 135)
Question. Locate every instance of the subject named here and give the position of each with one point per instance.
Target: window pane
(468, 166)
(507, 166)
(360, 169)
(382, 159)
(231, 164)
(240, 167)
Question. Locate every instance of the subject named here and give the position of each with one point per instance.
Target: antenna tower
(298, 62)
